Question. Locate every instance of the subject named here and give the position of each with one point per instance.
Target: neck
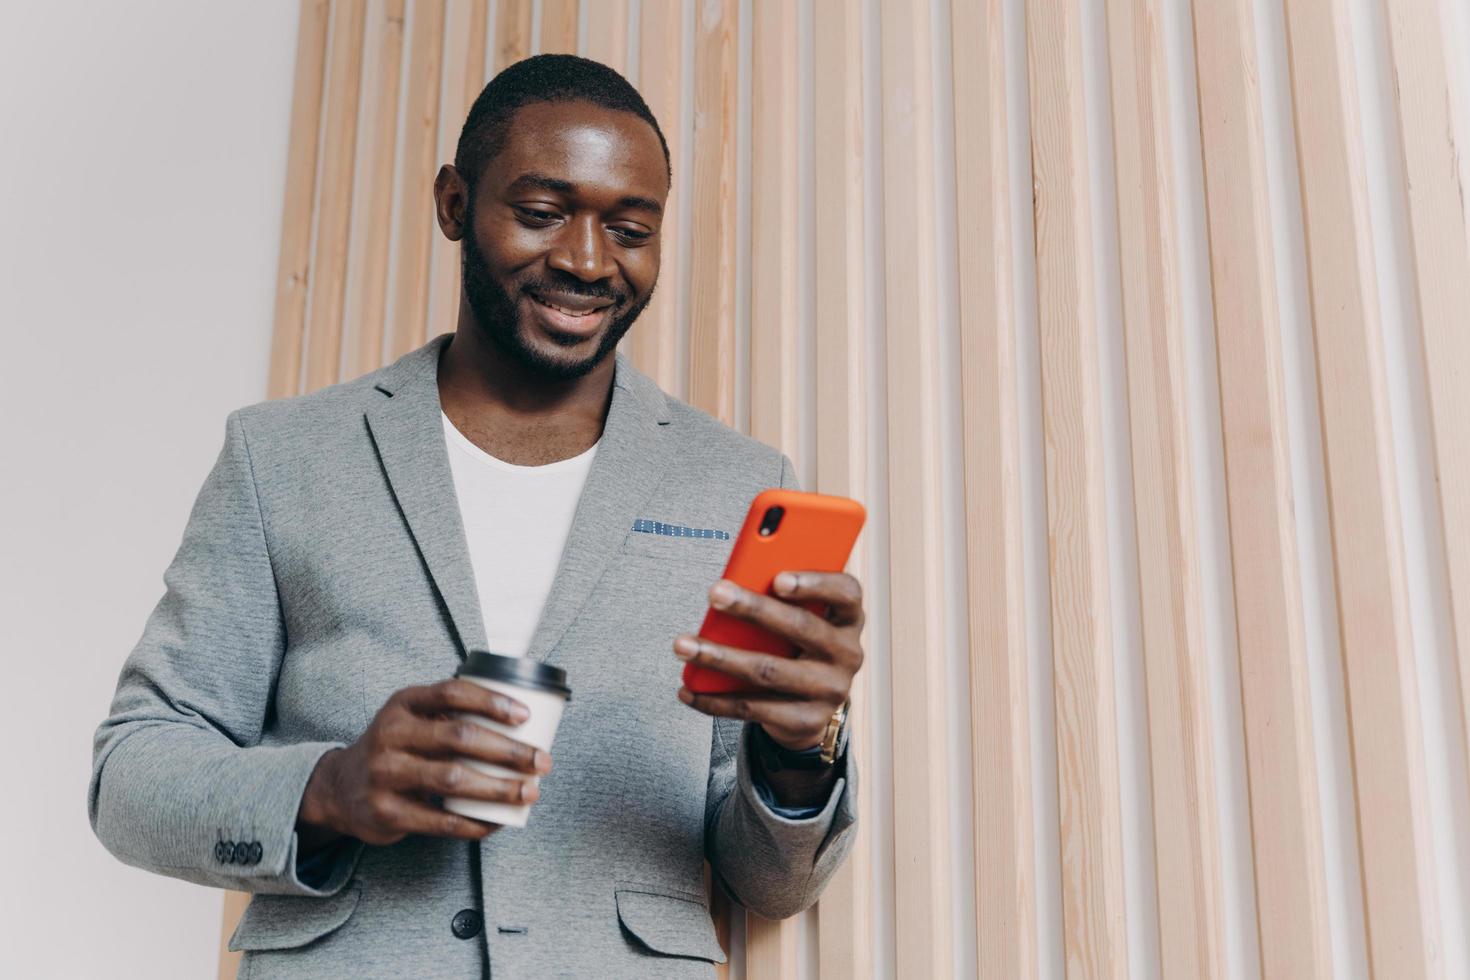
(508, 408)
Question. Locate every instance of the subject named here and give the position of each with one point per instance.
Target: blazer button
(256, 852)
(465, 924)
(222, 850)
(242, 852)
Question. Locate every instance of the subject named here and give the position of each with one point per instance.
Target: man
(284, 726)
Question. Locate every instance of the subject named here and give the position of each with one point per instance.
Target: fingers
(401, 772)
(406, 815)
(461, 695)
(811, 680)
(817, 637)
(440, 738)
(796, 723)
(842, 594)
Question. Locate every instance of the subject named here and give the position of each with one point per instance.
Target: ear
(451, 200)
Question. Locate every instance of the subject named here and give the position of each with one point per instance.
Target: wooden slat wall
(1093, 913)
(847, 339)
(1186, 822)
(1280, 761)
(1000, 718)
(1431, 141)
(1372, 593)
(921, 787)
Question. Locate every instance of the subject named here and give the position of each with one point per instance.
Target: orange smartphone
(785, 531)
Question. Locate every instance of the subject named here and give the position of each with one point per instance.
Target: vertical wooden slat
(373, 225)
(416, 225)
(294, 269)
(558, 27)
(1440, 245)
(774, 404)
(771, 947)
(464, 76)
(607, 33)
(512, 32)
(712, 255)
(1004, 875)
(1372, 595)
(1186, 823)
(1082, 651)
(334, 206)
(1280, 762)
(921, 784)
(654, 342)
(845, 913)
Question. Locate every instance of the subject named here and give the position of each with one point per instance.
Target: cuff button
(242, 853)
(222, 851)
(256, 852)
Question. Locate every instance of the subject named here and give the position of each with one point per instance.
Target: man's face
(561, 245)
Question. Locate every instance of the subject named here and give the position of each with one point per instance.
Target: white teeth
(563, 309)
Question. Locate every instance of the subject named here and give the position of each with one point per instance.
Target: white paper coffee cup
(543, 690)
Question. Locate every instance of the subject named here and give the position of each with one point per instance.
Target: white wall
(142, 163)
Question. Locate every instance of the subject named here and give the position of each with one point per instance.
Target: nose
(580, 250)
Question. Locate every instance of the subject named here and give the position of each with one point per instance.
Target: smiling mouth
(578, 311)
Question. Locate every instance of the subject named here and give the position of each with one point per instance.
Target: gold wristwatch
(775, 757)
(836, 726)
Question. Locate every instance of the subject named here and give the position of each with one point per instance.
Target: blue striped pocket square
(644, 526)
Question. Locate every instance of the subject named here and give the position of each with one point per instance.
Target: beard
(496, 310)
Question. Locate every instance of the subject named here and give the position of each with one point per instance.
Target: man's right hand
(378, 789)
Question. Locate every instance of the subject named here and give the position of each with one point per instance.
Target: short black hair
(543, 78)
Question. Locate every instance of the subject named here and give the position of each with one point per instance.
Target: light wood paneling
(293, 274)
(558, 27)
(712, 253)
(921, 785)
(845, 914)
(334, 205)
(1368, 555)
(1440, 243)
(366, 310)
(654, 342)
(512, 32)
(1181, 753)
(1286, 826)
(464, 76)
(1093, 913)
(607, 33)
(1004, 876)
(416, 225)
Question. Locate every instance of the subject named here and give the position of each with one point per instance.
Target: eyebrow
(558, 186)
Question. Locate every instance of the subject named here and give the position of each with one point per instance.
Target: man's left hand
(796, 696)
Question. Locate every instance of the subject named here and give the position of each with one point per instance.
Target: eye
(535, 217)
(631, 236)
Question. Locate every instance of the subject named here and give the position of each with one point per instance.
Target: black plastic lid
(515, 670)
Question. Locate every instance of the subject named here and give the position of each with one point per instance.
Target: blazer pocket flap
(291, 921)
(674, 925)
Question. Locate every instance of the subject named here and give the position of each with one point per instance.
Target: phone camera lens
(771, 521)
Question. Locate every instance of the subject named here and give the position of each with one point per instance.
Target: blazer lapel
(409, 435)
(629, 464)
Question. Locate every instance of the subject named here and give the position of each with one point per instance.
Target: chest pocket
(678, 548)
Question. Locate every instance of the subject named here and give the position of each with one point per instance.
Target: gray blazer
(323, 567)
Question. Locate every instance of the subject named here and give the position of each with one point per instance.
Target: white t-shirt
(516, 521)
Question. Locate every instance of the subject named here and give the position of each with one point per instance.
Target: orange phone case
(816, 534)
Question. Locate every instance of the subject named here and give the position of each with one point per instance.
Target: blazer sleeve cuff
(815, 821)
(268, 817)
